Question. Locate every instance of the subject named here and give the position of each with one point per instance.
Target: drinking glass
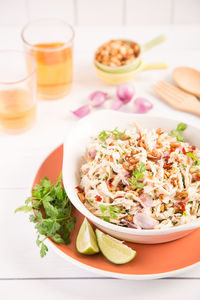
(50, 41)
(17, 91)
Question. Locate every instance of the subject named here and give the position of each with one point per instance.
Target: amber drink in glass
(50, 41)
(17, 91)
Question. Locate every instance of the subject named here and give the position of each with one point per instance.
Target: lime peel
(86, 242)
(113, 249)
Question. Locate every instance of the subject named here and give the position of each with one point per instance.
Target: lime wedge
(86, 242)
(113, 249)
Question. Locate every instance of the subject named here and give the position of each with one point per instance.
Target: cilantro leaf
(192, 155)
(51, 213)
(178, 132)
(57, 239)
(139, 185)
(38, 242)
(114, 209)
(107, 176)
(103, 136)
(65, 234)
(23, 208)
(28, 200)
(181, 126)
(113, 215)
(103, 208)
(180, 138)
(50, 210)
(69, 224)
(138, 173)
(33, 219)
(36, 204)
(38, 214)
(43, 250)
(118, 134)
(107, 219)
(174, 132)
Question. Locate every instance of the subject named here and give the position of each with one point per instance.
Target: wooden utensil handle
(194, 109)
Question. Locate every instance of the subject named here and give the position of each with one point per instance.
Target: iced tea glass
(50, 41)
(17, 91)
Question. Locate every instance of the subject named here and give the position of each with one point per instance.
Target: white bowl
(74, 148)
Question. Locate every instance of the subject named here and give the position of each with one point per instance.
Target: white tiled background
(102, 12)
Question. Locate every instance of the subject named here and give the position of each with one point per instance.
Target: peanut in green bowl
(122, 55)
(114, 78)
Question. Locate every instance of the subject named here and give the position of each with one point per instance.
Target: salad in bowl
(136, 178)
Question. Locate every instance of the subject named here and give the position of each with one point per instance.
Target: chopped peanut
(81, 197)
(116, 53)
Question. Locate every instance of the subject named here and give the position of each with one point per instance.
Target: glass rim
(27, 25)
(28, 75)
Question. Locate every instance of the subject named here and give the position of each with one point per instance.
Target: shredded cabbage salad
(139, 178)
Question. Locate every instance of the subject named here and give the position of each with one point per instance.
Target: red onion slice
(115, 104)
(129, 224)
(144, 221)
(141, 105)
(92, 153)
(146, 200)
(82, 111)
(98, 98)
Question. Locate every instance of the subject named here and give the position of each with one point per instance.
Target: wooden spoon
(187, 79)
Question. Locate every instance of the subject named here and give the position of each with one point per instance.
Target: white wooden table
(23, 274)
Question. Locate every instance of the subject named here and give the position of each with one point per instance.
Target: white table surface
(23, 274)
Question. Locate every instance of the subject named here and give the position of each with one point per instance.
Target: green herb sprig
(193, 156)
(103, 136)
(178, 132)
(118, 135)
(111, 210)
(51, 213)
(138, 173)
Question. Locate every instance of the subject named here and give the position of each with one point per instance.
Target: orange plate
(152, 261)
